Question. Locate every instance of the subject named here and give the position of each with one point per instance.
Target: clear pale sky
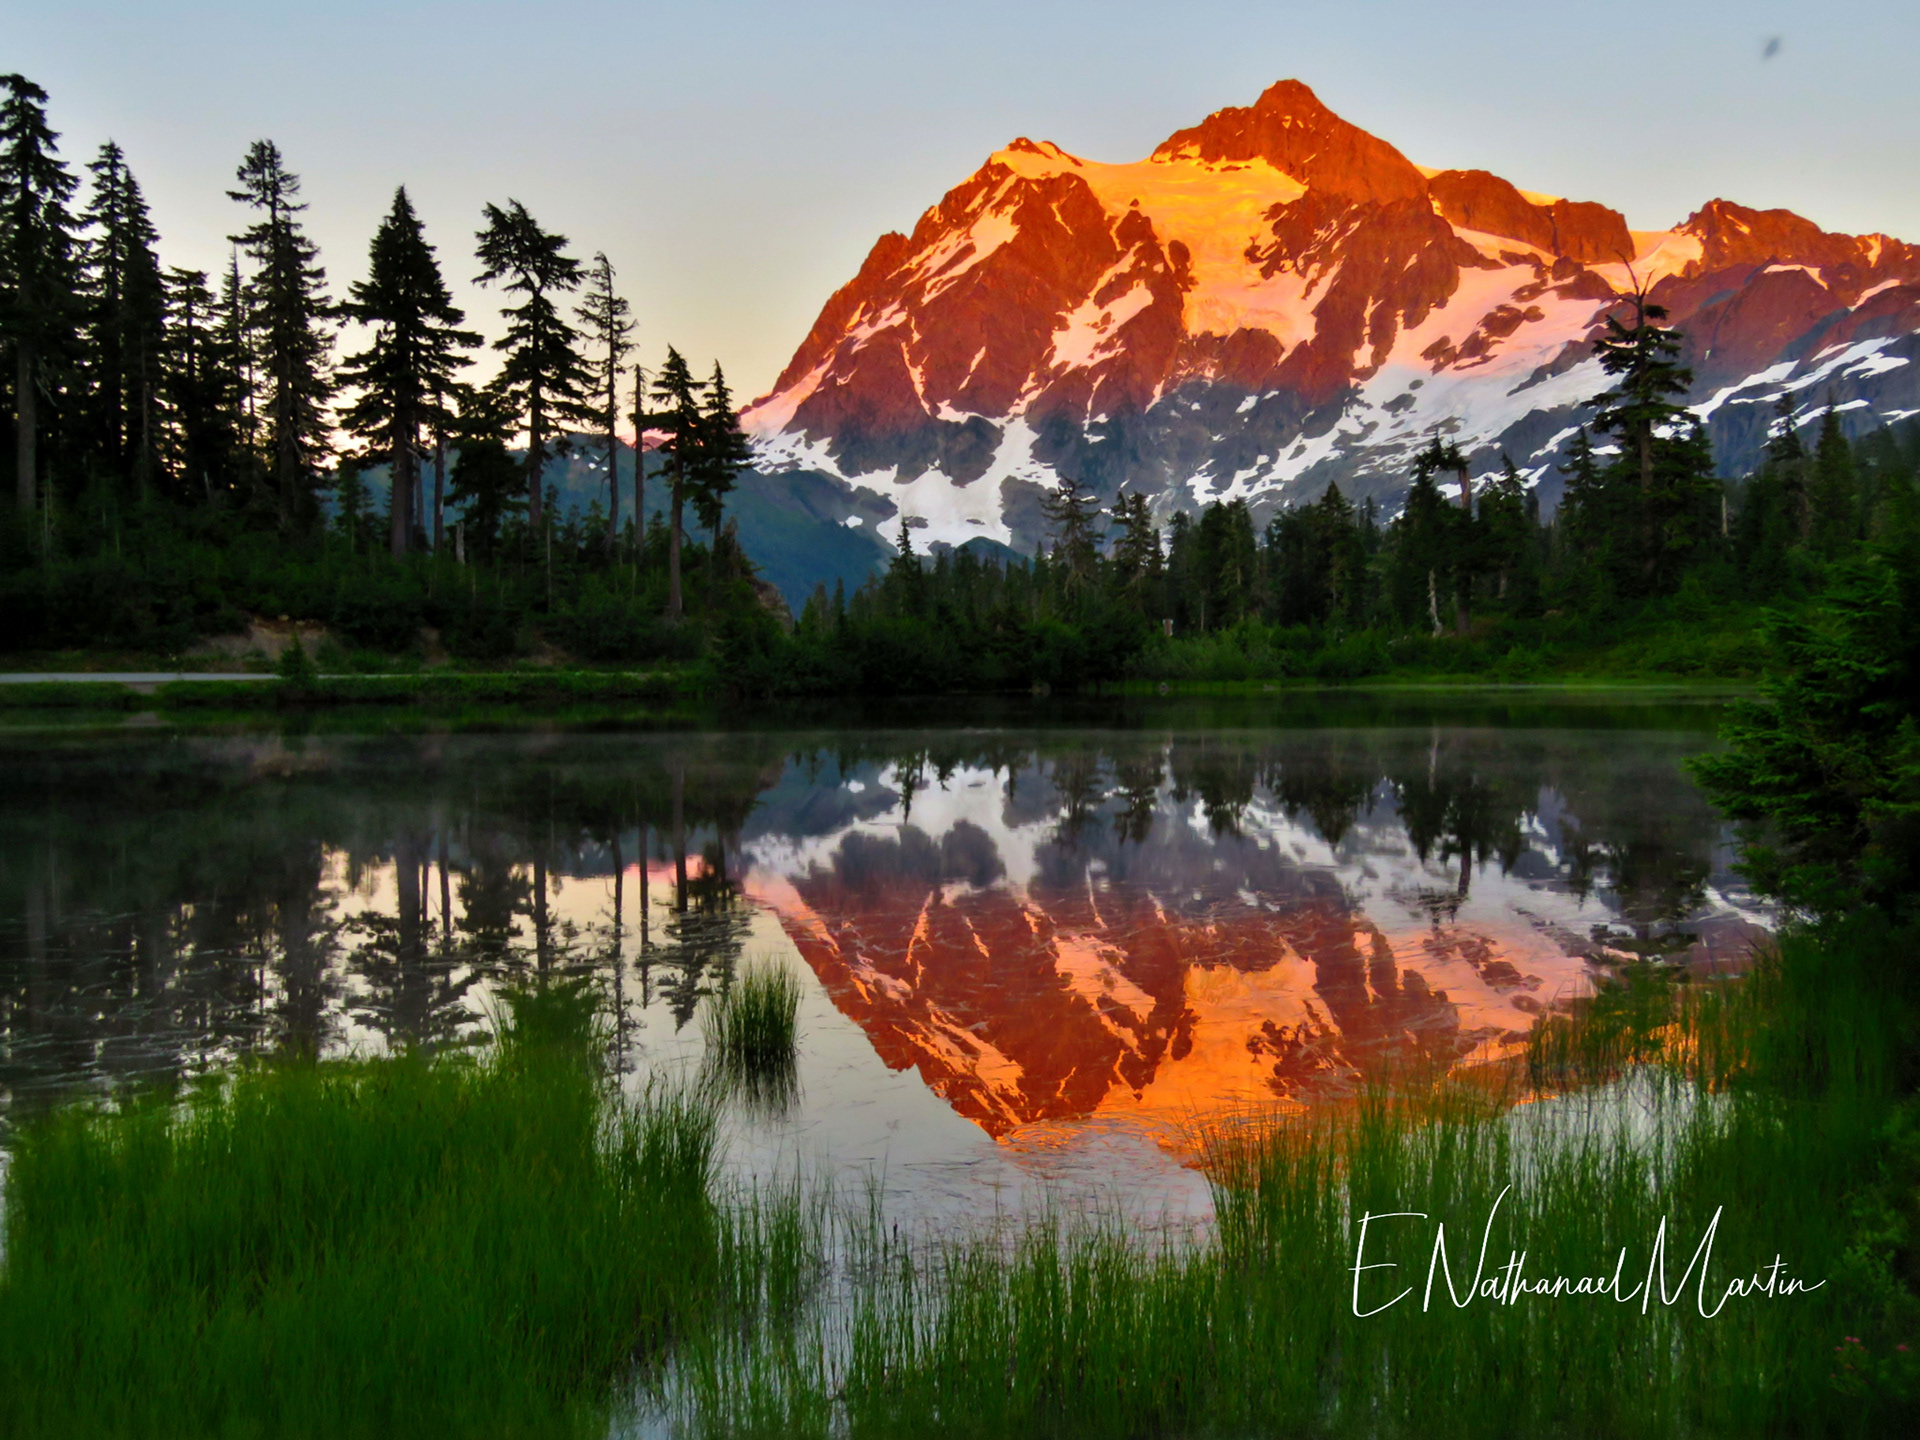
(737, 158)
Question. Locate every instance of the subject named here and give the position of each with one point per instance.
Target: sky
(736, 159)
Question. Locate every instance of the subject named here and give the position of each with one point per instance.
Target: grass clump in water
(400, 1246)
(752, 1033)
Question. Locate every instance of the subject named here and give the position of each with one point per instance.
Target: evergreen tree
(123, 320)
(1833, 500)
(1136, 554)
(1227, 560)
(1443, 457)
(724, 452)
(685, 426)
(1505, 535)
(607, 320)
(1420, 543)
(639, 418)
(1649, 378)
(287, 313)
(1184, 607)
(1070, 510)
(1340, 557)
(544, 374)
(200, 392)
(1787, 463)
(36, 264)
(488, 485)
(410, 361)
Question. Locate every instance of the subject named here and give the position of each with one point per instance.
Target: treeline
(192, 451)
(189, 448)
(1649, 552)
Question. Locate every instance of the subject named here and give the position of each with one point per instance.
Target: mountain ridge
(1275, 300)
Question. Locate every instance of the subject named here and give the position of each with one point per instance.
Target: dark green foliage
(544, 375)
(37, 276)
(184, 423)
(286, 323)
(123, 318)
(1828, 764)
(723, 452)
(609, 322)
(408, 369)
(406, 1246)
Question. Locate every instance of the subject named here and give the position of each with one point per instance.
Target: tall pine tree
(410, 361)
(1658, 449)
(36, 264)
(200, 393)
(123, 323)
(288, 310)
(685, 425)
(608, 322)
(1833, 501)
(544, 374)
(724, 452)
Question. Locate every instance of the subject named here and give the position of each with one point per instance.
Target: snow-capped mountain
(1275, 299)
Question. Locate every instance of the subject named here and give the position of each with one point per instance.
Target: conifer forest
(194, 449)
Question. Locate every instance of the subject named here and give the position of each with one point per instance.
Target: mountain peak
(1276, 300)
(1292, 130)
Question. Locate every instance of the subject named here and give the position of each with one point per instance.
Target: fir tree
(1833, 500)
(1453, 536)
(287, 313)
(1070, 512)
(544, 374)
(123, 319)
(1505, 530)
(36, 264)
(488, 486)
(1787, 462)
(608, 322)
(200, 391)
(410, 362)
(685, 426)
(639, 418)
(1136, 554)
(724, 452)
(1644, 362)
(1420, 543)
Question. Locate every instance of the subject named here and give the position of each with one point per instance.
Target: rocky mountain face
(1276, 299)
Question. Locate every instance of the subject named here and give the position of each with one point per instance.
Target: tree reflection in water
(1044, 923)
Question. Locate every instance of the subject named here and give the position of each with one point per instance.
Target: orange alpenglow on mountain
(1275, 300)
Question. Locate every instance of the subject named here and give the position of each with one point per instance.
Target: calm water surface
(1030, 953)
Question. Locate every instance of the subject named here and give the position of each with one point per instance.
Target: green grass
(752, 1033)
(394, 1247)
(1771, 1100)
(497, 1244)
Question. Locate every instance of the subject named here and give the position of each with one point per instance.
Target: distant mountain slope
(1275, 299)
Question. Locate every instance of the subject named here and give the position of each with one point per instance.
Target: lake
(1036, 943)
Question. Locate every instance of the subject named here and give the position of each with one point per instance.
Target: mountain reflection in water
(1045, 927)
